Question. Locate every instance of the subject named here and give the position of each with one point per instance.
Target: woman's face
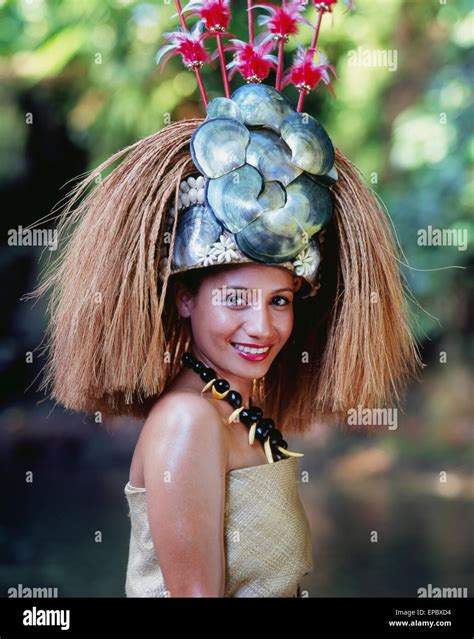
(238, 310)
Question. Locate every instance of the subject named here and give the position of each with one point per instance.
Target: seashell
(272, 197)
(185, 200)
(201, 196)
(196, 228)
(271, 156)
(262, 105)
(224, 108)
(329, 179)
(234, 197)
(193, 195)
(279, 235)
(218, 146)
(184, 186)
(200, 182)
(311, 147)
(192, 182)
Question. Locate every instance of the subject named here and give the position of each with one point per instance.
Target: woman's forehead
(254, 275)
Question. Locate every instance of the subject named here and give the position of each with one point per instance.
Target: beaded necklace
(260, 428)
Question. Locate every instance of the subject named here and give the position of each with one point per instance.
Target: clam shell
(218, 146)
(311, 147)
(271, 156)
(272, 197)
(196, 228)
(234, 197)
(279, 235)
(327, 180)
(262, 105)
(224, 108)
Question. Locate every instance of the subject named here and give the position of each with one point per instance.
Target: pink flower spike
(327, 5)
(215, 14)
(305, 74)
(187, 44)
(255, 62)
(283, 21)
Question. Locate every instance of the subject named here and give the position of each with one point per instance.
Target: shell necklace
(260, 428)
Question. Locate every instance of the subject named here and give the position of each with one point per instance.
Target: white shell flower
(224, 250)
(307, 261)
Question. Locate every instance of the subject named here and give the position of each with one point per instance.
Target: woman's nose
(259, 323)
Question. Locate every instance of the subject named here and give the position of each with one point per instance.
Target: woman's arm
(185, 463)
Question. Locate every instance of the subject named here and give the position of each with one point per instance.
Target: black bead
(188, 360)
(278, 456)
(245, 418)
(284, 444)
(234, 398)
(261, 432)
(221, 385)
(207, 374)
(276, 438)
(256, 412)
(198, 367)
(267, 422)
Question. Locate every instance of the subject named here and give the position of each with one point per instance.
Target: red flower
(214, 13)
(254, 63)
(282, 21)
(327, 5)
(305, 74)
(189, 44)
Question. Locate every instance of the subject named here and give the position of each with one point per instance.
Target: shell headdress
(261, 192)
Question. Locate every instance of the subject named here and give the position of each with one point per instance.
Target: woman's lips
(252, 357)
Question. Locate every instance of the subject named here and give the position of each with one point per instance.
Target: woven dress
(266, 535)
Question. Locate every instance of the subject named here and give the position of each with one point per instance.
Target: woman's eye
(284, 301)
(237, 300)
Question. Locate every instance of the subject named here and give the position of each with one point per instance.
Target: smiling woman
(232, 274)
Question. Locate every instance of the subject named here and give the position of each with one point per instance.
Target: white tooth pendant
(252, 430)
(234, 414)
(289, 452)
(208, 385)
(268, 450)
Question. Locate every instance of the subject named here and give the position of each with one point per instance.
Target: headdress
(264, 169)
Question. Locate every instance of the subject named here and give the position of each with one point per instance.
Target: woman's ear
(297, 283)
(184, 299)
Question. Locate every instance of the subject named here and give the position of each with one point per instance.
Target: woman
(193, 474)
(247, 228)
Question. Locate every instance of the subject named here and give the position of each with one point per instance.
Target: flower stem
(251, 22)
(312, 49)
(281, 50)
(223, 67)
(197, 71)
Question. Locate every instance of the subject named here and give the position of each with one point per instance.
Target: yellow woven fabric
(266, 533)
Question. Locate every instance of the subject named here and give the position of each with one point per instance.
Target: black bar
(201, 615)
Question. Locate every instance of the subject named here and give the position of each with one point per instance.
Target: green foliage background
(409, 130)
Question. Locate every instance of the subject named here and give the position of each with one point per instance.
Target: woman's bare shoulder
(182, 403)
(194, 417)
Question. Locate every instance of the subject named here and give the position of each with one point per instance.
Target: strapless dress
(266, 534)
